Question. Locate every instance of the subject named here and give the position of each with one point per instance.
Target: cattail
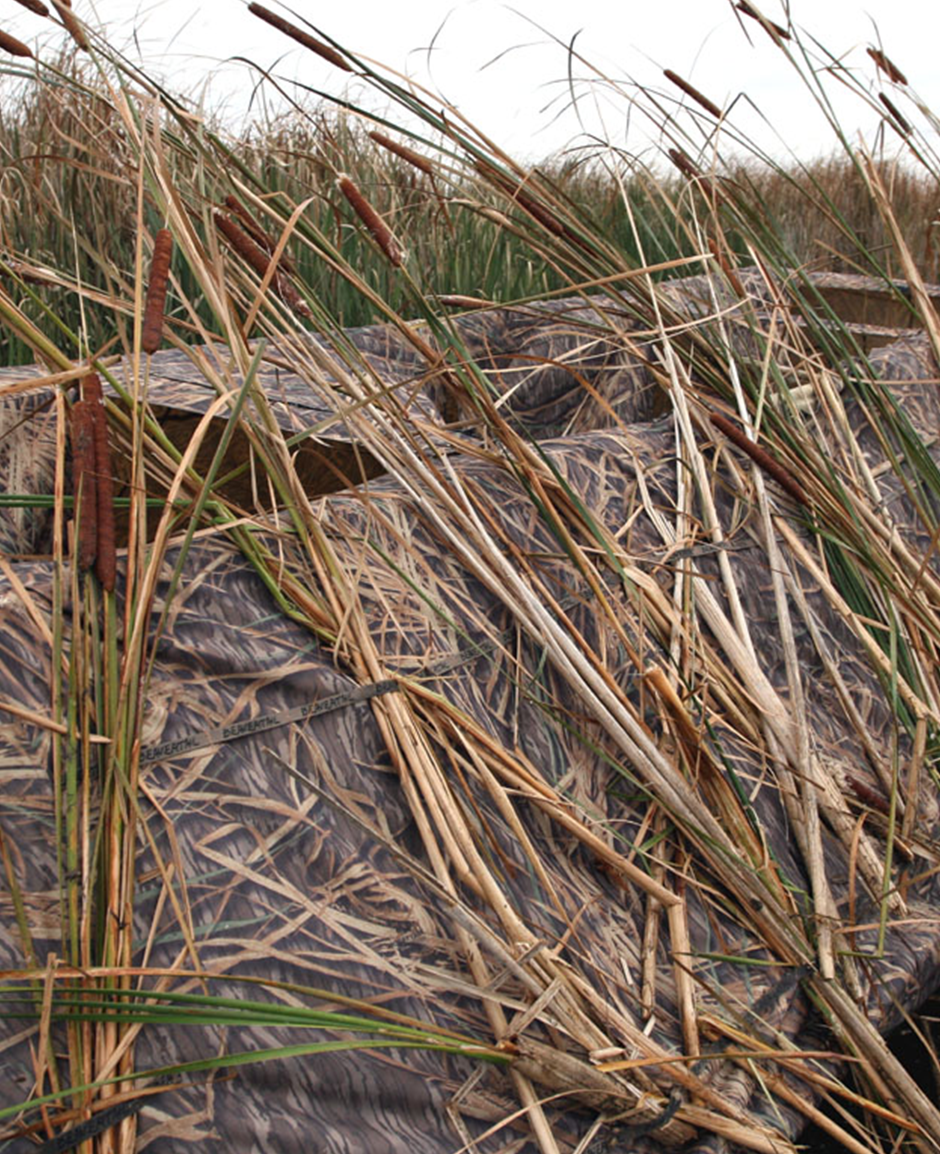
(413, 158)
(152, 331)
(692, 172)
(749, 10)
(697, 96)
(866, 794)
(895, 114)
(727, 269)
(458, 301)
(298, 34)
(371, 219)
(893, 73)
(71, 22)
(36, 6)
(15, 47)
(83, 483)
(760, 457)
(257, 233)
(259, 261)
(106, 556)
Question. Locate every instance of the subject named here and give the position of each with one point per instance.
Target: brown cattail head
(896, 116)
(105, 553)
(36, 6)
(371, 219)
(750, 10)
(15, 47)
(323, 50)
(893, 73)
(72, 24)
(727, 269)
(691, 171)
(259, 261)
(257, 233)
(697, 96)
(83, 483)
(760, 457)
(413, 158)
(152, 330)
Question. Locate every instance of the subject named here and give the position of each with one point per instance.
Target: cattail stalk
(152, 330)
(298, 34)
(893, 73)
(83, 483)
(15, 47)
(371, 219)
(407, 154)
(761, 458)
(697, 96)
(260, 261)
(895, 113)
(106, 552)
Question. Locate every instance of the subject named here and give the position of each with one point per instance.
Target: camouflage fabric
(301, 854)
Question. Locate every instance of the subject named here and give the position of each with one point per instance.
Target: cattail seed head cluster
(697, 96)
(152, 329)
(259, 260)
(325, 51)
(381, 233)
(761, 458)
(15, 47)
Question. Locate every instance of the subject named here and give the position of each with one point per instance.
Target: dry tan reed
(371, 219)
(152, 330)
(298, 34)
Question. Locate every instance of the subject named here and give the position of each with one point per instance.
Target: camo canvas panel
(301, 856)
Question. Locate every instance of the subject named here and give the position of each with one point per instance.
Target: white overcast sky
(509, 76)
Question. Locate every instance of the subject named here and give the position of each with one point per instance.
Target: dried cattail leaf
(15, 47)
(72, 23)
(697, 96)
(83, 483)
(893, 73)
(152, 329)
(371, 219)
(895, 113)
(36, 6)
(298, 34)
(760, 457)
(413, 158)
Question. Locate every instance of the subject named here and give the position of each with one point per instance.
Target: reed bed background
(326, 226)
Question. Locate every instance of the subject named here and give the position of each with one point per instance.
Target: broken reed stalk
(152, 329)
(15, 47)
(106, 553)
(85, 546)
(260, 261)
(760, 457)
(697, 96)
(298, 34)
(893, 73)
(381, 233)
